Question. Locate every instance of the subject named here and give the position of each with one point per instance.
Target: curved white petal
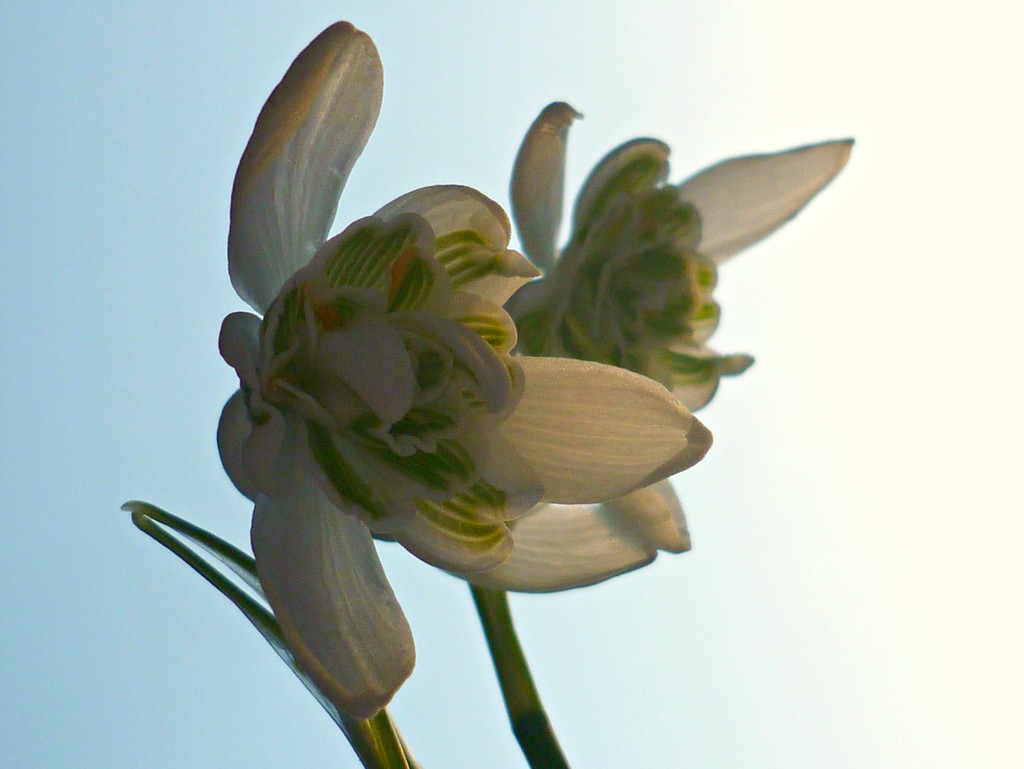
(271, 452)
(489, 270)
(745, 199)
(656, 516)
(239, 343)
(452, 207)
(320, 572)
(306, 140)
(637, 164)
(593, 432)
(558, 547)
(232, 431)
(538, 182)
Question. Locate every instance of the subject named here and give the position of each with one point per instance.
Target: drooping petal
(636, 165)
(306, 140)
(558, 547)
(232, 431)
(593, 432)
(745, 199)
(320, 572)
(656, 516)
(538, 182)
(565, 546)
(472, 234)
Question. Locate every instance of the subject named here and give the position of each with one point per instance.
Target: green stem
(525, 712)
(377, 742)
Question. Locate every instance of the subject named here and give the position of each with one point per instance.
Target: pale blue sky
(853, 598)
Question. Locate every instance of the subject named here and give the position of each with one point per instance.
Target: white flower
(378, 395)
(633, 288)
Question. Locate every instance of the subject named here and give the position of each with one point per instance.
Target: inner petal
(368, 356)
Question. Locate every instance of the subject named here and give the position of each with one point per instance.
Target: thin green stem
(530, 723)
(377, 740)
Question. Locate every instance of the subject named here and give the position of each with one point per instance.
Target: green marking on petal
(345, 480)
(643, 171)
(533, 333)
(413, 288)
(435, 469)
(706, 274)
(364, 257)
(430, 369)
(693, 370)
(491, 329)
(466, 256)
(288, 320)
(469, 516)
(421, 422)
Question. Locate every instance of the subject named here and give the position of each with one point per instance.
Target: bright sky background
(854, 594)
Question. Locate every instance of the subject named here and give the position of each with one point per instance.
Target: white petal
(306, 140)
(593, 432)
(565, 546)
(451, 209)
(370, 357)
(269, 455)
(656, 516)
(538, 182)
(743, 200)
(232, 431)
(322, 577)
(239, 343)
(558, 547)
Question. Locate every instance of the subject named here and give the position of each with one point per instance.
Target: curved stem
(522, 702)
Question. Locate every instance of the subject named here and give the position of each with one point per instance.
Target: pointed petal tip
(745, 199)
(698, 444)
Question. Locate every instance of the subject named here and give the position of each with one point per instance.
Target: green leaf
(376, 741)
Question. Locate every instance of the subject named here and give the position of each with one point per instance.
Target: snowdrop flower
(634, 288)
(378, 396)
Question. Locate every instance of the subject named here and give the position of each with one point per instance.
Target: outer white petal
(565, 546)
(306, 140)
(743, 200)
(538, 182)
(593, 432)
(559, 547)
(656, 515)
(320, 572)
(450, 208)
(232, 431)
